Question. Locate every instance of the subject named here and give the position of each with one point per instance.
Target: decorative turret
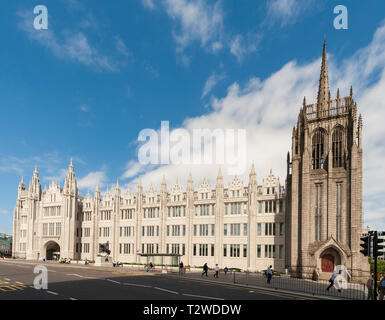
(97, 193)
(219, 179)
(190, 183)
(351, 92)
(70, 184)
(34, 186)
(252, 176)
(323, 89)
(117, 189)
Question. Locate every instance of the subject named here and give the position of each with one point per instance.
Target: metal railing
(354, 291)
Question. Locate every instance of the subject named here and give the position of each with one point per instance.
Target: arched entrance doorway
(327, 263)
(52, 251)
(330, 258)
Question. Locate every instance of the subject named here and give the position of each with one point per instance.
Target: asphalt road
(67, 282)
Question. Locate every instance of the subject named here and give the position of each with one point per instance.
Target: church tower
(324, 187)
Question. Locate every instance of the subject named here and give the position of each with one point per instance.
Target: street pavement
(73, 282)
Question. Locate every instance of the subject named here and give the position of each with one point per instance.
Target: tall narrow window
(318, 211)
(337, 148)
(318, 150)
(339, 211)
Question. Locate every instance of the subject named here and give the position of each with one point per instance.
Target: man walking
(181, 270)
(369, 285)
(269, 274)
(205, 269)
(216, 274)
(331, 280)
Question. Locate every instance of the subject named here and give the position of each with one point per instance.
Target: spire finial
(252, 169)
(323, 89)
(117, 183)
(351, 91)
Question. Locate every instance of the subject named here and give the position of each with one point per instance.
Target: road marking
(7, 279)
(165, 290)
(3, 290)
(89, 278)
(72, 299)
(52, 271)
(204, 297)
(9, 287)
(137, 285)
(251, 291)
(51, 292)
(19, 282)
(74, 274)
(113, 281)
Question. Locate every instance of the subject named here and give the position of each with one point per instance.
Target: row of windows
(23, 233)
(235, 208)
(52, 211)
(176, 230)
(83, 247)
(270, 229)
(149, 231)
(176, 211)
(83, 232)
(127, 214)
(127, 231)
(176, 248)
(205, 209)
(126, 248)
(270, 251)
(50, 230)
(151, 213)
(104, 232)
(318, 146)
(105, 215)
(204, 230)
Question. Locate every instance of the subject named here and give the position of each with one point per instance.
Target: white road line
(72, 299)
(113, 281)
(74, 274)
(165, 290)
(89, 278)
(52, 271)
(137, 285)
(204, 297)
(51, 292)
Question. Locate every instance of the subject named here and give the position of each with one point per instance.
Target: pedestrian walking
(181, 268)
(226, 270)
(269, 274)
(216, 274)
(205, 269)
(381, 288)
(369, 285)
(331, 280)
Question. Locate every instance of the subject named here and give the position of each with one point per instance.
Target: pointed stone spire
(220, 179)
(351, 91)
(190, 183)
(253, 175)
(35, 172)
(338, 93)
(163, 186)
(117, 184)
(252, 169)
(323, 89)
(97, 188)
(304, 102)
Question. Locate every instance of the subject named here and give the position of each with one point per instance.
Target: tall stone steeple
(70, 184)
(323, 89)
(34, 186)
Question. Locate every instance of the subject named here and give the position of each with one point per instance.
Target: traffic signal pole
(375, 264)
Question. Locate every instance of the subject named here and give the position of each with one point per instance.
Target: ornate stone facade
(238, 226)
(324, 187)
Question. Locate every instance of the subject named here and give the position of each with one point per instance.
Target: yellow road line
(7, 279)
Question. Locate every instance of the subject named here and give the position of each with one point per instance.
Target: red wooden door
(327, 263)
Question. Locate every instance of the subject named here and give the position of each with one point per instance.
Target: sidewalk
(285, 284)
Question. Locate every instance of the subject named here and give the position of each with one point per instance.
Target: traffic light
(378, 247)
(365, 245)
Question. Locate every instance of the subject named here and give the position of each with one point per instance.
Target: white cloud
(3, 212)
(196, 21)
(211, 82)
(239, 46)
(84, 108)
(268, 110)
(287, 11)
(73, 46)
(91, 180)
(148, 4)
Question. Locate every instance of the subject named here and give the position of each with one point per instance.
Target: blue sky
(104, 71)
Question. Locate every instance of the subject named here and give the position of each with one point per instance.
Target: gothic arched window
(318, 154)
(337, 147)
